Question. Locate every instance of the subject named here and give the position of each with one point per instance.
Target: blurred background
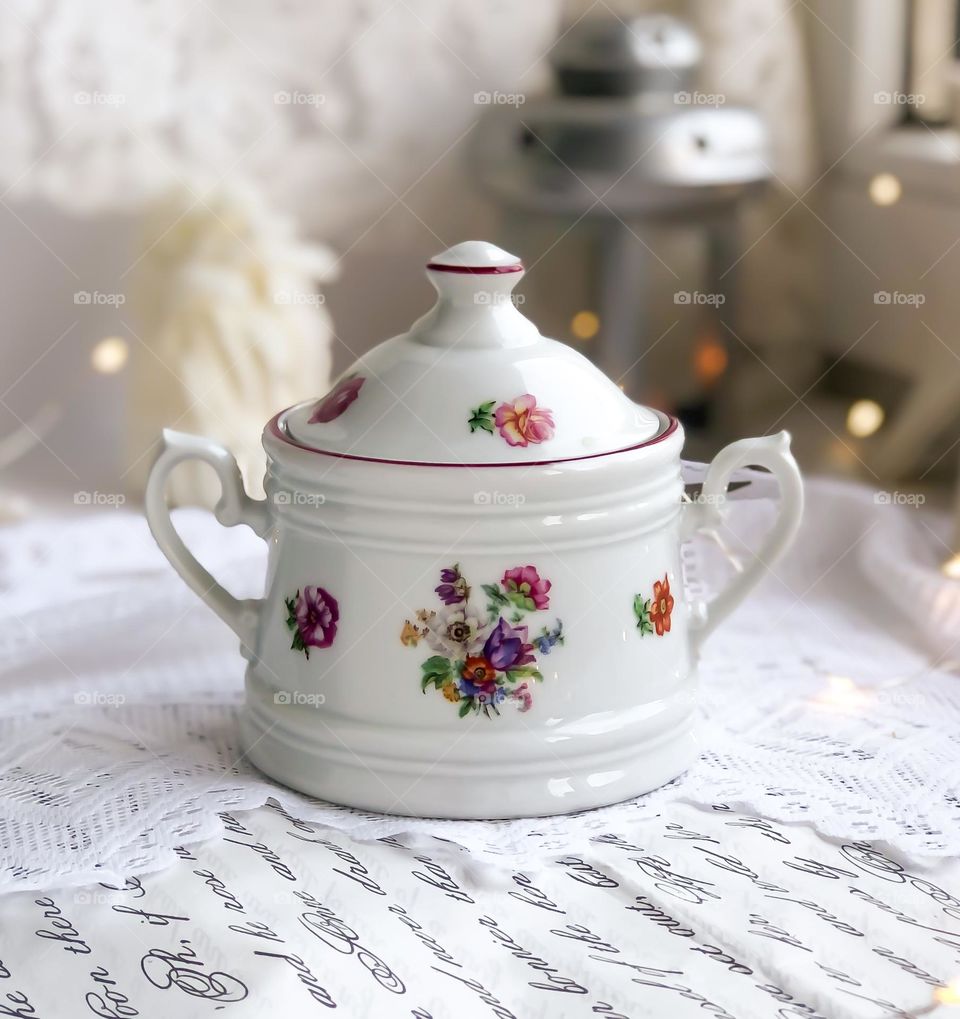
(746, 211)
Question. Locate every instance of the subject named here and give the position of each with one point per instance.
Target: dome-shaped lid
(472, 382)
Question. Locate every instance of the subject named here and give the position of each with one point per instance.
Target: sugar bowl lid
(472, 382)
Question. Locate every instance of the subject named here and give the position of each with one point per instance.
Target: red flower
(337, 400)
(661, 606)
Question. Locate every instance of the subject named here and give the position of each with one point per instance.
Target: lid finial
(476, 306)
(479, 258)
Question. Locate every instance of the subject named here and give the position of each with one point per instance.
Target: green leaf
(495, 595)
(481, 417)
(436, 672)
(465, 706)
(641, 609)
(525, 672)
(436, 663)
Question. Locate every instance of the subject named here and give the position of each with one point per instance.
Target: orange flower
(477, 670)
(661, 606)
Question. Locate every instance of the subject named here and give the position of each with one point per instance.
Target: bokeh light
(885, 189)
(585, 325)
(864, 418)
(110, 355)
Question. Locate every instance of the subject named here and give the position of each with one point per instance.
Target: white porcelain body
(613, 715)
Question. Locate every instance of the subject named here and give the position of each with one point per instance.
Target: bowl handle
(234, 507)
(772, 452)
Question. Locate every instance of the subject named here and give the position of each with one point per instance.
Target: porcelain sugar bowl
(474, 605)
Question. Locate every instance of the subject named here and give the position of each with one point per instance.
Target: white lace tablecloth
(805, 867)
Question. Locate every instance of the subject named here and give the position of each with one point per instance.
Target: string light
(110, 355)
(864, 418)
(709, 359)
(885, 189)
(842, 693)
(585, 325)
(949, 995)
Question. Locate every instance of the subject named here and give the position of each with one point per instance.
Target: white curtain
(335, 109)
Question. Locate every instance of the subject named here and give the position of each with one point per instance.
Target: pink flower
(526, 589)
(317, 614)
(524, 696)
(337, 400)
(522, 421)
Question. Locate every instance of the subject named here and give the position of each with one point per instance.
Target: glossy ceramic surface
(472, 381)
(501, 636)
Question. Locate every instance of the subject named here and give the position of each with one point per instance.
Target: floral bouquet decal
(312, 616)
(653, 614)
(484, 658)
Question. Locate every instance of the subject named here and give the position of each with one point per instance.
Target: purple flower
(452, 589)
(317, 614)
(337, 400)
(507, 648)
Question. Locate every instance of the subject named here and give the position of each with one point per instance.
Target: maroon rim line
(273, 427)
(476, 270)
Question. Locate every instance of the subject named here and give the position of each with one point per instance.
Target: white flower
(455, 631)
